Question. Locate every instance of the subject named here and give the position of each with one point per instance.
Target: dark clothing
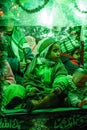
(43, 78)
(69, 62)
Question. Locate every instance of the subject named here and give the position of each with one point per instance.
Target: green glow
(46, 17)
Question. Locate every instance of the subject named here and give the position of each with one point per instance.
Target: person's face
(9, 27)
(76, 54)
(80, 79)
(54, 53)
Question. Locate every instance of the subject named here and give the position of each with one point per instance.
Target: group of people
(48, 83)
(54, 77)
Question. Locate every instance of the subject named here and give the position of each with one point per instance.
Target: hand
(22, 65)
(32, 90)
(57, 91)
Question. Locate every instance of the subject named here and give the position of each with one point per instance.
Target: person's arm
(74, 100)
(9, 74)
(60, 84)
(82, 103)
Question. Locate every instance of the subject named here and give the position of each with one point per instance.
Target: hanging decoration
(32, 6)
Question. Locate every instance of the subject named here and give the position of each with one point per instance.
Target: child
(78, 97)
(70, 54)
(69, 91)
(6, 70)
(43, 73)
(74, 87)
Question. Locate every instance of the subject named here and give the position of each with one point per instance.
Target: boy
(42, 75)
(78, 97)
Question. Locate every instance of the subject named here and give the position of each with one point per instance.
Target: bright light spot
(18, 14)
(82, 5)
(46, 17)
(1, 13)
(79, 14)
(50, 34)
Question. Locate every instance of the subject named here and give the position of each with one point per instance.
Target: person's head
(54, 52)
(79, 77)
(76, 53)
(70, 46)
(49, 48)
(8, 22)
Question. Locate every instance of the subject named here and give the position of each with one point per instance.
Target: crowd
(40, 75)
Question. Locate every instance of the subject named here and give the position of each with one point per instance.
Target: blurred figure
(70, 54)
(31, 41)
(10, 78)
(78, 97)
(29, 49)
(12, 92)
(15, 39)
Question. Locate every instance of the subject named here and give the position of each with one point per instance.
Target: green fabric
(18, 39)
(15, 43)
(44, 43)
(11, 91)
(42, 78)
